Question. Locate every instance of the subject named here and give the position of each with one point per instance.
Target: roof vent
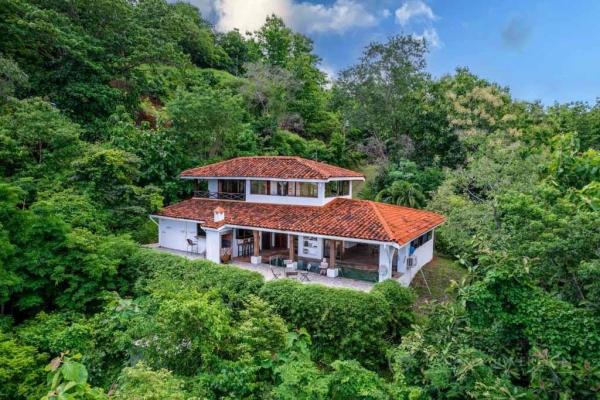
(219, 214)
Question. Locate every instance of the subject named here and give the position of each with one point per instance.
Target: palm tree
(402, 193)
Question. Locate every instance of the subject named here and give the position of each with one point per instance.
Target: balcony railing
(219, 195)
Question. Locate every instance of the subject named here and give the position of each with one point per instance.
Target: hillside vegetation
(103, 103)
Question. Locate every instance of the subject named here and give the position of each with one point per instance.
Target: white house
(254, 208)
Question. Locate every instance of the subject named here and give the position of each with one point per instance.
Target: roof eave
(274, 178)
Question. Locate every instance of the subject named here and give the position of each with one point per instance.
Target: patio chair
(276, 274)
(303, 276)
(301, 265)
(314, 268)
(190, 245)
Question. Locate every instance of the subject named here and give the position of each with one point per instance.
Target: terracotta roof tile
(282, 167)
(341, 217)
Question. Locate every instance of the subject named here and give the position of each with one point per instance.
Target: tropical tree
(402, 193)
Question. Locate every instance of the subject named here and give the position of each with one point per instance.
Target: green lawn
(439, 274)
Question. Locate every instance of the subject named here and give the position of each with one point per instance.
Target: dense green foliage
(103, 103)
(330, 314)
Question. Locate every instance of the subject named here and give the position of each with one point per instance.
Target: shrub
(141, 382)
(20, 369)
(156, 269)
(343, 324)
(56, 333)
(400, 300)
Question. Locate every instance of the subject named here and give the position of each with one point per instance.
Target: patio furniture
(276, 274)
(313, 268)
(303, 276)
(301, 265)
(225, 255)
(190, 245)
(289, 274)
(276, 261)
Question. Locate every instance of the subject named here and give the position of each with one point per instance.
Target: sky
(542, 50)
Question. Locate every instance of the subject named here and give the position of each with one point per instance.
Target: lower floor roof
(348, 218)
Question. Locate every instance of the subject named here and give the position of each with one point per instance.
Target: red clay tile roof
(359, 219)
(282, 167)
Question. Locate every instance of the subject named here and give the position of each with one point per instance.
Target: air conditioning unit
(411, 261)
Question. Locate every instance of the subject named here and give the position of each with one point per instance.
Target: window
(421, 240)
(337, 188)
(244, 234)
(232, 186)
(199, 231)
(306, 189)
(260, 187)
(282, 188)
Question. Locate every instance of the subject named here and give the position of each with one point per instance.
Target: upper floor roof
(272, 167)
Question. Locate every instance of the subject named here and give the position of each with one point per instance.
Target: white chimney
(219, 214)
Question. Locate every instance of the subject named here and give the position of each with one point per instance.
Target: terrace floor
(265, 271)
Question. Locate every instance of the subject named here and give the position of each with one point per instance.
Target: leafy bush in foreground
(343, 324)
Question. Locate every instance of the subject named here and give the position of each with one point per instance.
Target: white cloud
(414, 9)
(385, 13)
(340, 16)
(305, 17)
(329, 72)
(431, 37)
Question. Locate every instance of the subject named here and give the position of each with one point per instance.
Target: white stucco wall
(213, 246)
(386, 254)
(424, 254)
(172, 234)
(213, 185)
(314, 253)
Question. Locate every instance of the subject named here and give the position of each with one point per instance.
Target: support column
(256, 258)
(291, 247)
(256, 237)
(386, 254)
(332, 244)
(213, 246)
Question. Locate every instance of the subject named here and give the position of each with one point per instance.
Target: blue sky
(541, 50)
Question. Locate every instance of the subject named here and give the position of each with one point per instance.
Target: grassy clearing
(439, 273)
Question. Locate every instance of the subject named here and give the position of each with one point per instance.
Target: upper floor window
(232, 186)
(337, 188)
(421, 240)
(306, 189)
(260, 187)
(283, 189)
